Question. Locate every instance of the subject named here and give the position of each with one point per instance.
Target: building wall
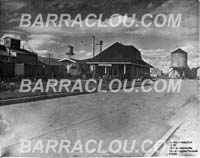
(25, 58)
(132, 71)
(139, 71)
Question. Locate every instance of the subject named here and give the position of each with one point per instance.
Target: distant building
(53, 67)
(16, 62)
(156, 72)
(15, 53)
(119, 61)
(76, 68)
(195, 73)
(198, 73)
(72, 66)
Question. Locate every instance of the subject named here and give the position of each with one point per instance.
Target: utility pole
(49, 57)
(93, 54)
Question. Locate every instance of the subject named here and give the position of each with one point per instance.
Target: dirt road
(101, 116)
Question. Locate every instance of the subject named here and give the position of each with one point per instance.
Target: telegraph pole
(49, 57)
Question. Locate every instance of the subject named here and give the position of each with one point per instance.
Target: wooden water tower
(179, 63)
(70, 52)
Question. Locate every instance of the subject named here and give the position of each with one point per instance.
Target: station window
(113, 71)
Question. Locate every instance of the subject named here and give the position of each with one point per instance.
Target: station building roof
(119, 54)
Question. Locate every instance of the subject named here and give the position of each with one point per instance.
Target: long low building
(16, 62)
(120, 60)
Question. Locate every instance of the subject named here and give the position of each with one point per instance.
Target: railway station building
(119, 61)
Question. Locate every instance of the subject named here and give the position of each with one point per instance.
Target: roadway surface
(101, 116)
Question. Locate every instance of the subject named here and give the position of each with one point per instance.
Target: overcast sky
(154, 43)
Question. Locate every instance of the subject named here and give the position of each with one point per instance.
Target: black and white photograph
(99, 78)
